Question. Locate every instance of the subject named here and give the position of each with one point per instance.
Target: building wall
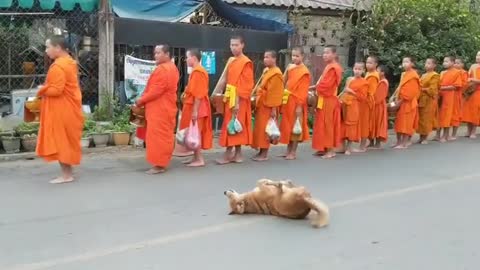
(315, 31)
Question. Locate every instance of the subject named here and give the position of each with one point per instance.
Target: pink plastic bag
(192, 137)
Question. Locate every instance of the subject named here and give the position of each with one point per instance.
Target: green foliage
(104, 111)
(27, 127)
(420, 28)
(89, 125)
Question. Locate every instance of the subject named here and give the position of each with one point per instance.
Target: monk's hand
(299, 111)
(236, 109)
(273, 113)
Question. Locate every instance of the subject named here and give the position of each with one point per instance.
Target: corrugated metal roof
(313, 4)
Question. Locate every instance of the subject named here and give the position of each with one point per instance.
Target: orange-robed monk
(409, 90)
(427, 102)
(356, 90)
(373, 79)
(295, 106)
(237, 97)
(160, 101)
(196, 106)
(61, 117)
(450, 81)
(269, 95)
(380, 130)
(327, 128)
(458, 97)
(471, 108)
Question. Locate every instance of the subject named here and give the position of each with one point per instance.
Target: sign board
(137, 71)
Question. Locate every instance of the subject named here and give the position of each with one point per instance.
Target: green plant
(104, 111)
(27, 127)
(419, 28)
(122, 127)
(89, 125)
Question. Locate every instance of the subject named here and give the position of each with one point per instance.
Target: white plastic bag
(192, 137)
(272, 129)
(238, 126)
(297, 127)
(180, 136)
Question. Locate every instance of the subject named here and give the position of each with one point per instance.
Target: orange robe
(240, 80)
(197, 88)
(451, 77)
(160, 101)
(427, 103)
(298, 82)
(373, 79)
(408, 94)
(351, 109)
(458, 99)
(471, 108)
(327, 127)
(61, 116)
(380, 128)
(269, 97)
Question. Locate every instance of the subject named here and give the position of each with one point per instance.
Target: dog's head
(237, 206)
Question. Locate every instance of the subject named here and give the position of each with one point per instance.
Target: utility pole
(105, 51)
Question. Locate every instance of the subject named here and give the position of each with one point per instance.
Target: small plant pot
(85, 142)
(100, 139)
(121, 138)
(11, 145)
(29, 144)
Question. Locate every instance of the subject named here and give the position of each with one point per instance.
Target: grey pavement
(413, 209)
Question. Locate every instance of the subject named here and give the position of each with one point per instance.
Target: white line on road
(95, 254)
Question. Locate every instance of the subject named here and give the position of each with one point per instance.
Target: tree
(419, 28)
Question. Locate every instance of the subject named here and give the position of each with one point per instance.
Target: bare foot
(451, 139)
(443, 140)
(61, 180)
(283, 155)
(155, 170)
(319, 153)
(187, 161)
(436, 139)
(348, 152)
(329, 156)
(408, 144)
(424, 142)
(260, 158)
(400, 147)
(197, 163)
(224, 161)
(291, 157)
(473, 136)
(238, 159)
(360, 150)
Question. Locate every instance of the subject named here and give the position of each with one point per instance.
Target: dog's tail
(322, 215)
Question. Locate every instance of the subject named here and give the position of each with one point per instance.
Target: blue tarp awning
(176, 10)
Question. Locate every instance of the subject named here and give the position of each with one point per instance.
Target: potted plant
(27, 128)
(29, 142)
(121, 134)
(11, 144)
(103, 113)
(88, 127)
(100, 136)
(86, 139)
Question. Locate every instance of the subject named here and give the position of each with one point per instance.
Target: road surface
(395, 210)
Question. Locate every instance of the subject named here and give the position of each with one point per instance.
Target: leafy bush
(420, 28)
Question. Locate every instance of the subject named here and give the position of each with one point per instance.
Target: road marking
(88, 256)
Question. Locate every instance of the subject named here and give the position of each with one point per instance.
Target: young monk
(160, 101)
(450, 81)
(268, 100)
(458, 97)
(61, 116)
(196, 106)
(238, 90)
(327, 127)
(297, 82)
(471, 108)
(409, 90)
(380, 130)
(427, 103)
(356, 90)
(373, 79)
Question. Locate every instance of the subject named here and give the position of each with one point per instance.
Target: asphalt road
(414, 209)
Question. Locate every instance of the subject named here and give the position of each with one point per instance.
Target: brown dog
(278, 198)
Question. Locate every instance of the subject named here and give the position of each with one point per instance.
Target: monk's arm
(381, 94)
(276, 85)
(158, 87)
(432, 91)
(303, 85)
(327, 84)
(248, 83)
(56, 83)
(408, 92)
(200, 90)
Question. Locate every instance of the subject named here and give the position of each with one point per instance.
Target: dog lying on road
(279, 198)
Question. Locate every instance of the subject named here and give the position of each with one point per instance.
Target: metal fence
(24, 64)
